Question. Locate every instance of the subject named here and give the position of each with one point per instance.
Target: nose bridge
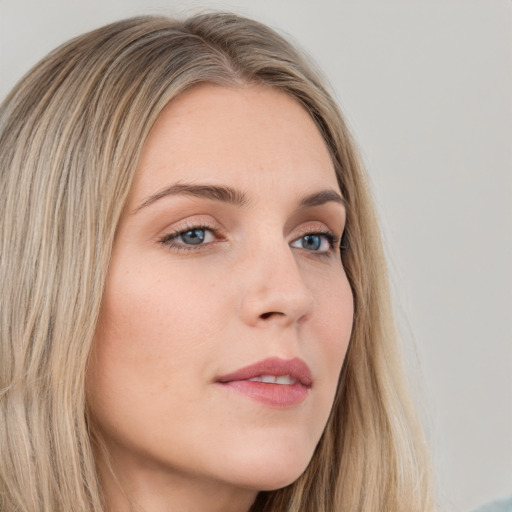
(276, 290)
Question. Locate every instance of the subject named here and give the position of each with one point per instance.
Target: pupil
(311, 242)
(193, 237)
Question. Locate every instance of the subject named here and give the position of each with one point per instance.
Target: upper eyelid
(311, 226)
(196, 222)
(320, 227)
(175, 233)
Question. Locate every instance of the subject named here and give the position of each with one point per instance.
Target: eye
(188, 238)
(316, 242)
(193, 236)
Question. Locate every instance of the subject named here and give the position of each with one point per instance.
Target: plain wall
(427, 88)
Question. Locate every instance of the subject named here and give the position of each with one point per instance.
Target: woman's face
(225, 273)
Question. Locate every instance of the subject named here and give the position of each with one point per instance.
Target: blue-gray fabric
(496, 506)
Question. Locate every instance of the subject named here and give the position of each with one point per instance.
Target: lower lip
(279, 396)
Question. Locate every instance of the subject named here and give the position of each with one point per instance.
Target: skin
(177, 316)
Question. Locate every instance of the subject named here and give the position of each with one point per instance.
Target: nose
(275, 292)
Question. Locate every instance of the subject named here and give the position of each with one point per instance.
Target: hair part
(71, 133)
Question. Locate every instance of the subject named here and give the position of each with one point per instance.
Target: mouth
(285, 380)
(274, 382)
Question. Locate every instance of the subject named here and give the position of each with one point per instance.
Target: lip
(272, 394)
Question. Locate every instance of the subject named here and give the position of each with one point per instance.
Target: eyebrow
(215, 192)
(233, 196)
(322, 197)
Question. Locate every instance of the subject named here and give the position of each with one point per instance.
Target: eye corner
(344, 243)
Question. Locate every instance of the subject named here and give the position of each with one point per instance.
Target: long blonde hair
(71, 132)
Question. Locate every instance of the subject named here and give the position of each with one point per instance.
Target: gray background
(427, 88)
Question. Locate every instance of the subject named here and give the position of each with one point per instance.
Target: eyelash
(168, 239)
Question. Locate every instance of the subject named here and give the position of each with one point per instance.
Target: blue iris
(311, 242)
(193, 236)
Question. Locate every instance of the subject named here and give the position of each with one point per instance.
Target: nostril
(264, 316)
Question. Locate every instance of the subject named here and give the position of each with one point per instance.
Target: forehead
(248, 137)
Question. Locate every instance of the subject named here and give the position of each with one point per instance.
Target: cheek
(154, 343)
(334, 305)
(161, 328)
(148, 315)
(151, 331)
(333, 328)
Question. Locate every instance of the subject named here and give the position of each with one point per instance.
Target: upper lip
(295, 368)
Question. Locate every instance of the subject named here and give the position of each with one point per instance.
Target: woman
(195, 313)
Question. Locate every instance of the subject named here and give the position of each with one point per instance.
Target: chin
(271, 473)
